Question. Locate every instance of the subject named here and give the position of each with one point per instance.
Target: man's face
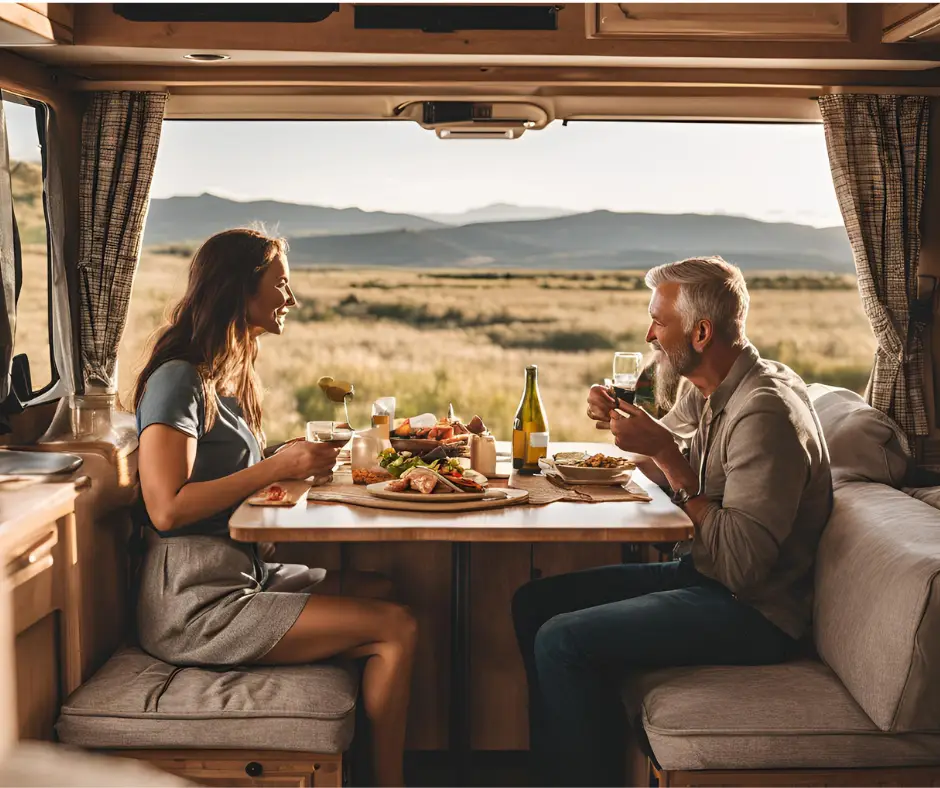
(675, 354)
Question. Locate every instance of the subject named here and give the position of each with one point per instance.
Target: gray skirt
(208, 600)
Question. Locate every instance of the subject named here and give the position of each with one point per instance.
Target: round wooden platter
(495, 499)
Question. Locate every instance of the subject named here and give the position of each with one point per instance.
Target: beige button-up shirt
(762, 461)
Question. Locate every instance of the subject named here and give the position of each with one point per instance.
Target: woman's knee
(401, 624)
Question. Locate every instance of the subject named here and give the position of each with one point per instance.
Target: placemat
(544, 489)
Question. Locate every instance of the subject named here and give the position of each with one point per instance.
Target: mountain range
(495, 236)
(505, 236)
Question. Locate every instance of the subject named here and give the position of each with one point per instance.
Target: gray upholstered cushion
(136, 701)
(796, 715)
(930, 495)
(864, 443)
(877, 604)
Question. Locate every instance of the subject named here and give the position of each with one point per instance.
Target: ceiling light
(206, 57)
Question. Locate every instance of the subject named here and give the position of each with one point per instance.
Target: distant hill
(193, 219)
(498, 212)
(600, 239)
(26, 180)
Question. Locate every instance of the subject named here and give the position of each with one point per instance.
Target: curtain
(120, 137)
(7, 267)
(878, 155)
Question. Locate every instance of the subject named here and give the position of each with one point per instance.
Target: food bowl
(574, 469)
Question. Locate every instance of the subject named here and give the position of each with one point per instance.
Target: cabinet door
(733, 21)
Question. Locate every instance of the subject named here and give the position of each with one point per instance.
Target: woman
(205, 599)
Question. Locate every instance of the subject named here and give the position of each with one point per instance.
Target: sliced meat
(422, 481)
(398, 485)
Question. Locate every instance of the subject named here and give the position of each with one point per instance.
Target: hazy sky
(771, 172)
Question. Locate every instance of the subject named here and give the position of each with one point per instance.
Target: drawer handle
(35, 553)
(254, 769)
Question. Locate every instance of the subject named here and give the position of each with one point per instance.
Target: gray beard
(669, 372)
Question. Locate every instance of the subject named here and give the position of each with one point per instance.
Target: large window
(435, 270)
(24, 120)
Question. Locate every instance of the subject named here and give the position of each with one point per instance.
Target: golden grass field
(429, 340)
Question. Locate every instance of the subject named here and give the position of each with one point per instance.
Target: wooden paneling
(729, 21)
(38, 679)
(34, 24)
(421, 576)
(911, 21)
(556, 559)
(246, 767)
(498, 707)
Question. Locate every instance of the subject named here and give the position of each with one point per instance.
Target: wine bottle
(530, 427)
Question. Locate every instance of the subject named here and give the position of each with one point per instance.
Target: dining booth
(104, 77)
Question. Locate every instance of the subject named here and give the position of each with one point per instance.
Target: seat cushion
(865, 445)
(877, 604)
(136, 701)
(795, 715)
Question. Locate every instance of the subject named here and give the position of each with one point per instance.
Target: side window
(24, 121)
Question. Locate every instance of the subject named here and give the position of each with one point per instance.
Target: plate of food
(452, 435)
(582, 467)
(439, 481)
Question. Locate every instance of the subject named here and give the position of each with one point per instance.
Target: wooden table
(656, 521)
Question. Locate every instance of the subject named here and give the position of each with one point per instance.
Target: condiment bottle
(483, 454)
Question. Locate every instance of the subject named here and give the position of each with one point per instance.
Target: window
(436, 270)
(24, 122)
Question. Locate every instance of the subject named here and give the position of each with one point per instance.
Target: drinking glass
(626, 370)
(328, 432)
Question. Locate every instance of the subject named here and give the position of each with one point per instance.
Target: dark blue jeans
(580, 633)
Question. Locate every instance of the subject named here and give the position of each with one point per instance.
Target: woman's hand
(303, 459)
(600, 404)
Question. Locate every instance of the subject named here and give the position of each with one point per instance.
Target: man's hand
(639, 432)
(600, 404)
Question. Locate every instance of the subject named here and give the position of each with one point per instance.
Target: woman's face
(269, 306)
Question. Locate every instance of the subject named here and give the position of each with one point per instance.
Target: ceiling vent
(496, 120)
(457, 17)
(225, 12)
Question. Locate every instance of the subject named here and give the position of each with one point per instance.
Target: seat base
(245, 767)
(912, 776)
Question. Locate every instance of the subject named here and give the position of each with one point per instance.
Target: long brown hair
(209, 326)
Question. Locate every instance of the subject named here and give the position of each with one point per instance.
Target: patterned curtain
(120, 137)
(878, 155)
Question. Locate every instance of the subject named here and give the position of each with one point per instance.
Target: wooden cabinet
(262, 768)
(732, 21)
(37, 547)
(910, 22)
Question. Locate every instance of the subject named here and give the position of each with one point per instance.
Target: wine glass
(328, 432)
(626, 371)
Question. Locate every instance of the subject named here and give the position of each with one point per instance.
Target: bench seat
(138, 702)
(797, 715)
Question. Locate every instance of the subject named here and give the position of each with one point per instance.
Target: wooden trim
(911, 27)
(38, 26)
(69, 594)
(97, 26)
(720, 21)
(487, 77)
(910, 776)
(313, 769)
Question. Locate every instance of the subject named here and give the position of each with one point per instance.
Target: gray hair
(710, 288)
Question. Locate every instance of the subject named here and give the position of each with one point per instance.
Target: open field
(464, 336)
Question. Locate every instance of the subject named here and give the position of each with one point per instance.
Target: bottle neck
(531, 378)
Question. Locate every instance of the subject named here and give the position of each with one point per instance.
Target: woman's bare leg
(383, 632)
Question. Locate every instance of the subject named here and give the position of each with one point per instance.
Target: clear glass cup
(626, 373)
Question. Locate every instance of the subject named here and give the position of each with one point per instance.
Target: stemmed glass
(328, 432)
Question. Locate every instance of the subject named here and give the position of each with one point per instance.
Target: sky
(764, 171)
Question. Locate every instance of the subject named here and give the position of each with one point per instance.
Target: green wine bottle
(530, 427)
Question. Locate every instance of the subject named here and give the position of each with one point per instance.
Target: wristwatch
(680, 497)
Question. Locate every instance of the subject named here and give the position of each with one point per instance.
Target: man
(757, 488)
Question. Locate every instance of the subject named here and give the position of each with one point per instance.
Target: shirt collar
(742, 365)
